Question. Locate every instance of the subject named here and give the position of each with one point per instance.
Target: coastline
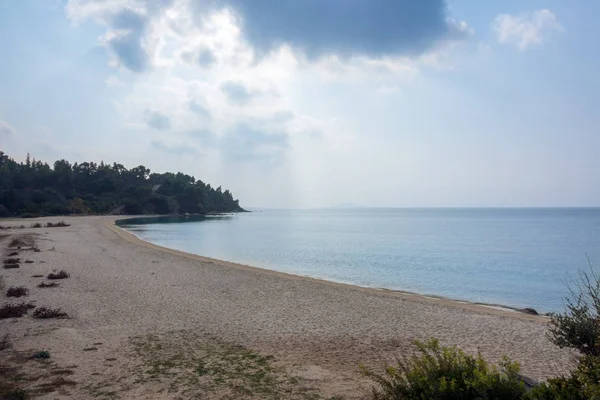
(493, 308)
(142, 317)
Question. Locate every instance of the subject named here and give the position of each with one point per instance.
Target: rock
(530, 311)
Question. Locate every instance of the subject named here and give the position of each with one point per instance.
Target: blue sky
(314, 103)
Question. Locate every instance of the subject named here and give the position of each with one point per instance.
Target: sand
(151, 323)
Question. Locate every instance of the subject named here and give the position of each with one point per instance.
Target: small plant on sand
(10, 263)
(47, 313)
(15, 310)
(438, 372)
(57, 224)
(12, 254)
(62, 274)
(22, 241)
(28, 261)
(36, 225)
(41, 355)
(17, 291)
(5, 343)
(13, 394)
(47, 285)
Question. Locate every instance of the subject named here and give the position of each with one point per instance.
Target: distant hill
(34, 188)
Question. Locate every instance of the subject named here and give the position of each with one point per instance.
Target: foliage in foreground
(583, 384)
(438, 372)
(448, 373)
(579, 327)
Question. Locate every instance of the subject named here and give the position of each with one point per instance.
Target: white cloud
(112, 81)
(6, 129)
(526, 30)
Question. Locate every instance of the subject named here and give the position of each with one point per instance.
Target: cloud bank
(316, 28)
(342, 27)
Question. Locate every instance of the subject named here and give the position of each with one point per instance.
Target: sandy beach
(153, 323)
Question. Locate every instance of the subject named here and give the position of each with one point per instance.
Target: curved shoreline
(494, 309)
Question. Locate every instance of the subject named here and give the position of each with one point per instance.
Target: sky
(315, 103)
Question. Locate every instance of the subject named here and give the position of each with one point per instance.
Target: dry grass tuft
(47, 313)
(62, 274)
(15, 291)
(47, 285)
(15, 310)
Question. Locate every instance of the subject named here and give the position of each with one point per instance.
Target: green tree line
(34, 188)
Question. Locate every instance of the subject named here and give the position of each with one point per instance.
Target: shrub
(41, 355)
(9, 261)
(583, 384)
(62, 274)
(447, 373)
(47, 285)
(17, 291)
(22, 241)
(36, 225)
(579, 326)
(57, 224)
(47, 313)
(28, 261)
(13, 394)
(14, 253)
(15, 310)
(5, 343)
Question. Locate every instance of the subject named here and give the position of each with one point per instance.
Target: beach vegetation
(5, 343)
(47, 285)
(34, 188)
(36, 225)
(41, 355)
(62, 274)
(15, 310)
(17, 291)
(47, 313)
(13, 394)
(440, 372)
(57, 224)
(25, 240)
(579, 326)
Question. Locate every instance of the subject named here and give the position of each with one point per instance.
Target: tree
(35, 188)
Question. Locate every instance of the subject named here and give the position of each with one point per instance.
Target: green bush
(579, 326)
(583, 384)
(440, 373)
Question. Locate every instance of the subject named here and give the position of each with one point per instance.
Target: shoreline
(134, 306)
(497, 309)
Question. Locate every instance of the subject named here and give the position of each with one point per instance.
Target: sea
(510, 257)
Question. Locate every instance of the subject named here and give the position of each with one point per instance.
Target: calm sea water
(513, 257)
